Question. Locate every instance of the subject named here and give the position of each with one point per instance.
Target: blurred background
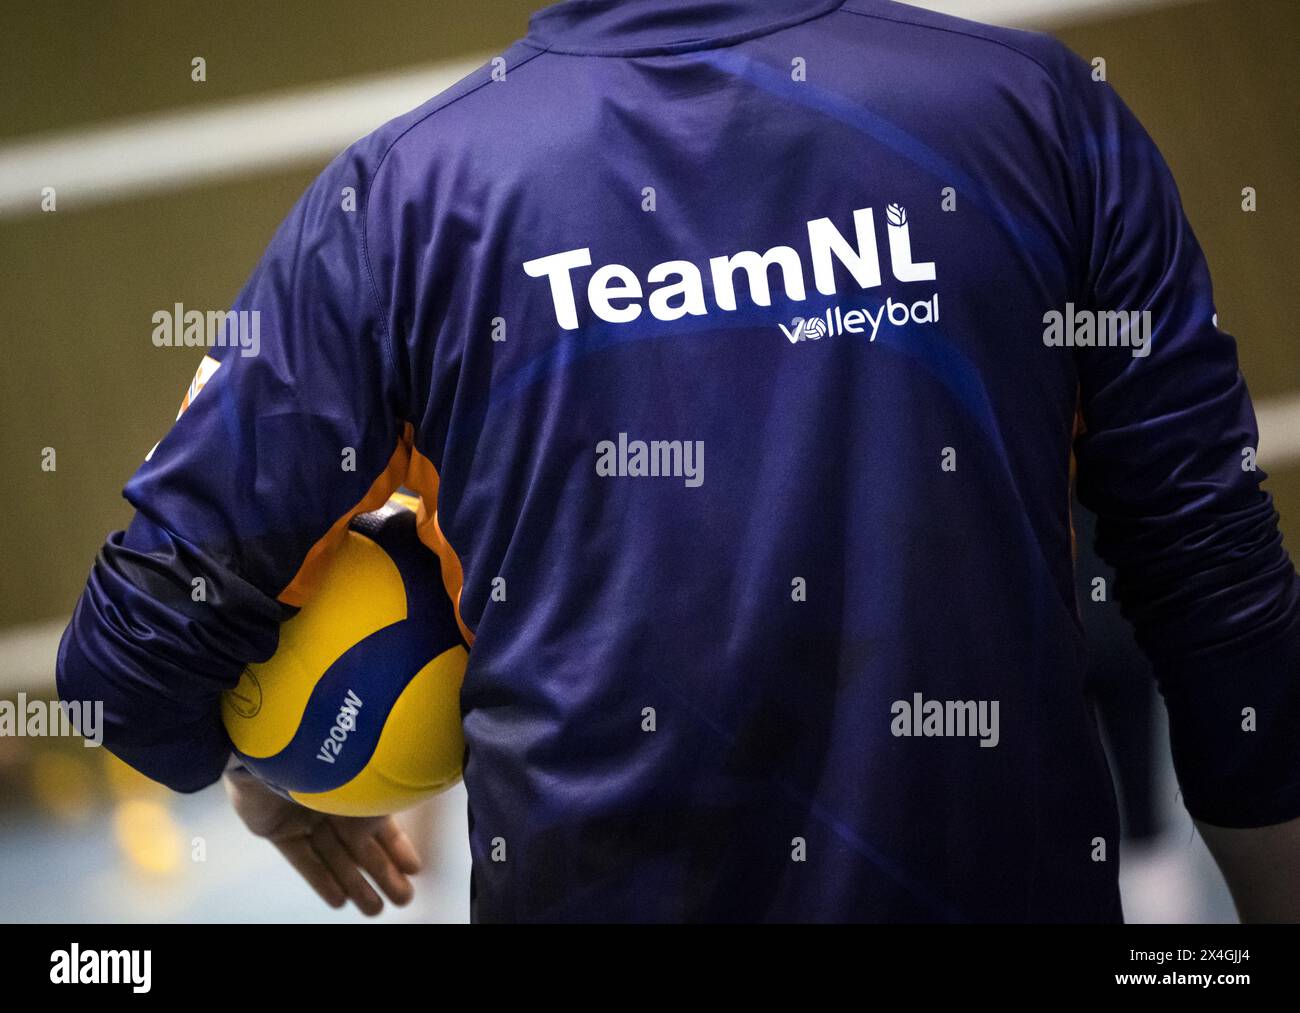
(167, 191)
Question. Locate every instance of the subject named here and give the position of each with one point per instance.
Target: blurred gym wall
(87, 85)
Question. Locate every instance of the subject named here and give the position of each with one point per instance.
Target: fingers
(344, 866)
(332, 856)
(302, 856)
(393, 839)
(384, 852)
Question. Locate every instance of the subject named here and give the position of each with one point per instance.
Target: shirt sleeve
(1167, 464)
(290, 429)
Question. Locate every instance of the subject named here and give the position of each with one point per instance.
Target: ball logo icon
(246, 698)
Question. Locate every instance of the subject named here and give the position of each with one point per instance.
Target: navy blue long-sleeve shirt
(741, 344)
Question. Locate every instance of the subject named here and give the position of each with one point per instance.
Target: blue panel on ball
(373, 671)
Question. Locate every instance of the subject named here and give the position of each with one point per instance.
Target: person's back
(720, 335)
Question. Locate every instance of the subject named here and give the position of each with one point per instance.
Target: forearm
(1262, 867)
(156, 659)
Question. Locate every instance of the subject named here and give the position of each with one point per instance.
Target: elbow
(114, 708)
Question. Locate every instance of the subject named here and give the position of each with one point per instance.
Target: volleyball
(358, 711)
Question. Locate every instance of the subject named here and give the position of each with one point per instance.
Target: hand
(330, 852)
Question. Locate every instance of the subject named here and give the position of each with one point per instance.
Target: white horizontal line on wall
(1039, 13)
(245, 138)
(27, 656)
(1279, 431)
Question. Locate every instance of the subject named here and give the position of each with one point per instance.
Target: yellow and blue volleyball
(358, 711)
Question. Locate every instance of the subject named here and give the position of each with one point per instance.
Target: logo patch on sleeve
(202, 375)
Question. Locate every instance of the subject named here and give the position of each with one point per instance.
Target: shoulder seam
(956, 31)
(1056, 83)
(365, 213)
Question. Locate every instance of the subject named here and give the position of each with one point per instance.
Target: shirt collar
(647, 27)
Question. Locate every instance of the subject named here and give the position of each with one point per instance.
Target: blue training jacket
(745, 342)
